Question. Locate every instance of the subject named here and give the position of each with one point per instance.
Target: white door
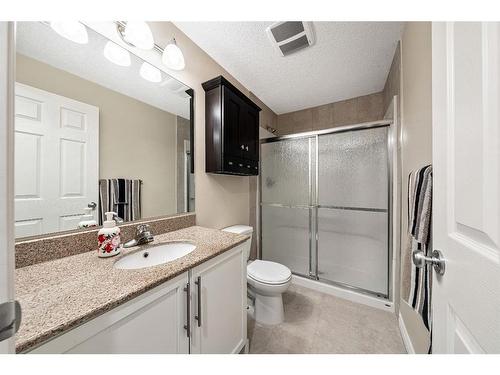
(56, 161)
(218, 304)
(466, 202)
(6, 173)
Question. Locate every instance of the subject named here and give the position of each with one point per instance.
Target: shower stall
(326, 206)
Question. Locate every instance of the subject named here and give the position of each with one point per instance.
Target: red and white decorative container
(109, 237)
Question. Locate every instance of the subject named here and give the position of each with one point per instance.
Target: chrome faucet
(142, 235)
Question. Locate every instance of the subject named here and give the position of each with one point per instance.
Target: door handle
(92, 205)
(10, 319)
(187, 326)
(198, 284)
(436, 260)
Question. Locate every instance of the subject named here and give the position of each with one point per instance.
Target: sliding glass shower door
(325, 206)
(286, 202)
(353, 209)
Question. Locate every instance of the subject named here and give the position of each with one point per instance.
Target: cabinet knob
(242, 147)
(230, 163)
(246, 148)
(241, 165)
(248, 166)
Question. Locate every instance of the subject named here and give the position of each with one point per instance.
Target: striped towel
(419, 228)
(122, 196)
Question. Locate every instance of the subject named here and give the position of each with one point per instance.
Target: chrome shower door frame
(314, 206)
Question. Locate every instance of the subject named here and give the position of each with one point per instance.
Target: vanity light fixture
(71, 30)
(116, 54)
(172, 56)
(150, 73)
(136, 34)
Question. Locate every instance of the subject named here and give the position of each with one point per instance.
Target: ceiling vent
(290, 36)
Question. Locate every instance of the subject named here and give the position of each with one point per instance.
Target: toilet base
(269, 309)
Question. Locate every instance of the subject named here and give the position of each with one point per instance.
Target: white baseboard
(343, 293)
(405, 336)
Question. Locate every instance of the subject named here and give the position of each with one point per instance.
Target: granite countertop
(61, 294)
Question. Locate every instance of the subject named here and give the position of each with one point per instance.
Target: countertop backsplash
(50, 247)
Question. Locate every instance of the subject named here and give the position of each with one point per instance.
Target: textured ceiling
(349, 59)
(38, 41)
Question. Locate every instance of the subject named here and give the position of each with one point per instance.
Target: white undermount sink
(153, 256)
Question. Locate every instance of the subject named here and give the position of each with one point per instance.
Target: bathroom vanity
(84, 304)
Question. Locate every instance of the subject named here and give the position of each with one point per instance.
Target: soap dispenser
(109, 237)
(87, 220)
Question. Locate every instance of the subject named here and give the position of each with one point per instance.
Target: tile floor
(320, 323)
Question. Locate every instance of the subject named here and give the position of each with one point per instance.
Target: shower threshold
(347, 292)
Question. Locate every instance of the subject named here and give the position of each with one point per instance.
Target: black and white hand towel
(122, 196)
(420, 239)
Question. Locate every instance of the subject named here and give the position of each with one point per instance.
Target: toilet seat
(270, 273)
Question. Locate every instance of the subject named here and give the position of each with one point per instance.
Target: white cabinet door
(56, 160)
(219, 317)
(149, 324)
(466, 202)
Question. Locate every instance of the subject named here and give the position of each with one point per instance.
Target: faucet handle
(141, 228)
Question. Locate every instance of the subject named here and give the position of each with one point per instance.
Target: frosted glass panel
(353, 168)
(285, 237)
(353, 248)
(285, 171)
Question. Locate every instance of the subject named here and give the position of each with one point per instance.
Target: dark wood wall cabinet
(231, 130)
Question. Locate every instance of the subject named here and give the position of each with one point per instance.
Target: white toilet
(266, 280)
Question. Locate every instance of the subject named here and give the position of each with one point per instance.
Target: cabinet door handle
(187, 326)
(246, 148)
(242, 147)
(198, 317)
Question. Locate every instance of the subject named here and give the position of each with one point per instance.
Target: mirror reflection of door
(56, 161)
(91, 130)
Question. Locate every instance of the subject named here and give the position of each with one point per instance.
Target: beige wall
(136, 140)
(346, 112)
(392, 85)
(220, 200)
(416, 145)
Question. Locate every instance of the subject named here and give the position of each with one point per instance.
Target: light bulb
(150, 73)
(116, 54)
(72, 30)
(139, 35)
(172, 56)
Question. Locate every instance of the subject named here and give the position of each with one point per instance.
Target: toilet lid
(268, 272)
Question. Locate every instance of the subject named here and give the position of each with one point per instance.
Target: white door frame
(7, 78)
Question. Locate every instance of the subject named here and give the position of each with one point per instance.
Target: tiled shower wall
(346, 112)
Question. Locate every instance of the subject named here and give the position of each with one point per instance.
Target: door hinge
(10, 319)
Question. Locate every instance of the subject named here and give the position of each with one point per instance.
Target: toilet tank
(244, 230)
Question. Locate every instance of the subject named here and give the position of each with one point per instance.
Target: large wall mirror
(96, 129)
